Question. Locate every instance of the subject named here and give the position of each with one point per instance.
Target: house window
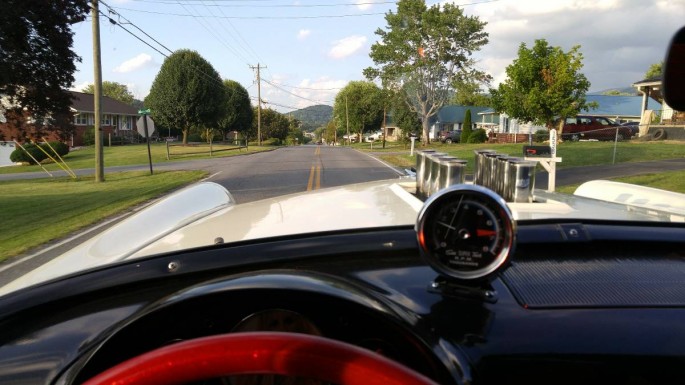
(81, 119)
(106, 120)
(125, 122)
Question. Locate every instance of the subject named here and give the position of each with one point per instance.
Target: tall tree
(424, 51)
(274, 125)
(37, 62)
(470, 93)
(187, 93)
(114, 90)
(237, 110)
(543, 83)
(401, 115)
(468, 127)
(362, 103)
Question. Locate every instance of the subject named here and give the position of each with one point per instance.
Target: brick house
(118, 119)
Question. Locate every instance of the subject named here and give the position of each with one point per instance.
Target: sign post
(145, 133)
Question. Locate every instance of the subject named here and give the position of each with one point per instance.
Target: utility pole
(347, 122)
(97, 92)
(259, 105)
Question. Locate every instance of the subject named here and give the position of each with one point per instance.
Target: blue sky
(312, 48)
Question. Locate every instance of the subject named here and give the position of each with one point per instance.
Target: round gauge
(465, 232)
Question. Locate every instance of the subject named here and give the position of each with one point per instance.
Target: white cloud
(303, 34)
(141, 61)
(617, 48)
(80, 86)
(347, 46)
(364, 4)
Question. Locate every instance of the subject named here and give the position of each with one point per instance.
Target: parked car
(593, 127)
(378, 135)
(453, 136)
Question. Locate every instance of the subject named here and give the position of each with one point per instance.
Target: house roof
(654, 80)
(455, 114)
(612, 105)
(82, 102)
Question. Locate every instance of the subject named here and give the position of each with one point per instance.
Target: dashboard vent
(620, 282)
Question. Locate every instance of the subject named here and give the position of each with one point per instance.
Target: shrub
(467, 128)
(194, 137)
(61, 148)
(20, 155)
(478, 136)
(541, 135)
(89, 136)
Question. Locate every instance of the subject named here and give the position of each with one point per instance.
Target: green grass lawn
(573, 154)
(137, 154)
(669, 180)
(37, 211)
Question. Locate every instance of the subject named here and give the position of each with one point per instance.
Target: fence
(203, 148)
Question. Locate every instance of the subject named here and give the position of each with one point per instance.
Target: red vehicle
(594, 127)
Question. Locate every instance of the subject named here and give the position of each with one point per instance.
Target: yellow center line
(318, 177)
(311, 179)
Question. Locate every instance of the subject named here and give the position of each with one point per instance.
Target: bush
(89, 136)
(194, 137)
(20, 155)
(61, 148)
(478, 136)
(541, 135)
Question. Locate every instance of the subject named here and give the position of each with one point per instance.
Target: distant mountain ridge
(313, 117)
(626, 90)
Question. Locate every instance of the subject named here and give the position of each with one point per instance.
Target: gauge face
(465, 232)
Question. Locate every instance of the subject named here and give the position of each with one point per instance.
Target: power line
(201, 20)
(112, 21)
(296, 95)
(135, 26)
(310, 88)
(271, 5)
(256, 17)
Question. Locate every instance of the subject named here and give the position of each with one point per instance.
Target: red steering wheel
(288, 354)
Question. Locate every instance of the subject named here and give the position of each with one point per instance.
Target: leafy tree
(295, 134)
(403, 116)
(238, 114)
(330, 132)
(186, 93)
(654, 70)
(468, 127)
(543, 83)
(37, 62)
(470, 93)
(274, 125)
(424, 51)
(114, 90)
(362, 103)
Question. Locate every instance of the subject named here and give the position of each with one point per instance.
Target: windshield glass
(224, 121)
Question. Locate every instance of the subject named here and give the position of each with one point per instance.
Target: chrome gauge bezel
(504, 229)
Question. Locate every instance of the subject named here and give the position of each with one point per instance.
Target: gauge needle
(485, 233)
(446, 225)
(451, 227)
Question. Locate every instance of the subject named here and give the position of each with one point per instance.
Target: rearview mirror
(674, 72)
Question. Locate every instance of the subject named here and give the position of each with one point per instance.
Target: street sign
(144, 112)
(140, 126)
